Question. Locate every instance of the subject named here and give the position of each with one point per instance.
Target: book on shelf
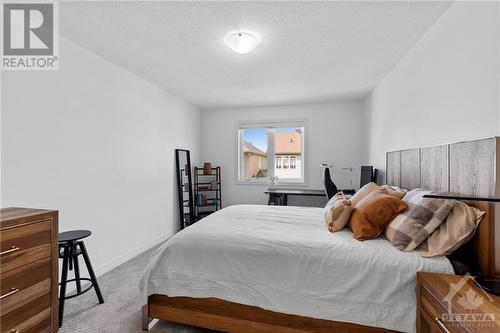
(204, 200)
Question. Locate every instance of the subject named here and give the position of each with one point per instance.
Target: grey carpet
(121, 311)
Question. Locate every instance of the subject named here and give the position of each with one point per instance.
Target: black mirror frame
(180, 186)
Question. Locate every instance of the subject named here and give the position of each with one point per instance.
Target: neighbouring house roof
(249, 148)
(262, 173)
(288, 143)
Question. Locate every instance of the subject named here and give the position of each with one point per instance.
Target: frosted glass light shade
(241, 41)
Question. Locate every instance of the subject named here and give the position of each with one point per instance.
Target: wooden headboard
(469, 168)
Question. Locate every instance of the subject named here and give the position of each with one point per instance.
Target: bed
(276, 269)
(282, 259)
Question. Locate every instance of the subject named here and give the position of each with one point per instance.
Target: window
(285, 162)
(271, 150)
(254, 153)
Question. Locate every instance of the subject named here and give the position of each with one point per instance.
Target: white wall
(97, 143)
(445, 89)
(334, 133)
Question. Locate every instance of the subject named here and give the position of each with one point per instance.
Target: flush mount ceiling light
(241, 41)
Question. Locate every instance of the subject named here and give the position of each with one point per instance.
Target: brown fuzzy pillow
(373, 213)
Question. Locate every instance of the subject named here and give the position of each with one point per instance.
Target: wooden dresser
(455, 304)
(28, 270)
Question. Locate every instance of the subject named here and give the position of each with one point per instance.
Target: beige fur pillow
(395, 191)
(337, 212)
(363, 192)
(456, 230)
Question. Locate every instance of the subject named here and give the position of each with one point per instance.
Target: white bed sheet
(284, 259)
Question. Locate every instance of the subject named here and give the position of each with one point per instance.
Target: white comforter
(284, 259)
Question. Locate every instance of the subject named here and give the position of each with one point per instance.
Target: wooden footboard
(216, 314)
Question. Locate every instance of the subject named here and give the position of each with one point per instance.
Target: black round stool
(70, 247)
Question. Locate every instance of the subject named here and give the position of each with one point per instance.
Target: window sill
(268, 184)
(294, 184)
(251, 182)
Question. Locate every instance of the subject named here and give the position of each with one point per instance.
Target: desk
(279, 197)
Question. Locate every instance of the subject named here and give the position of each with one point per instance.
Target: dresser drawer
(33, 317)
(25, 284)
(24, 244)
(433, 314)
(432, 324)
(28, 270)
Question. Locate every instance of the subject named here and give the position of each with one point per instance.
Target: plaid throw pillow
(414, 225)
(458, 228)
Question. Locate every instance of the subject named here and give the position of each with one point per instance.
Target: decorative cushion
(372, 214)
(363, 192)
(395, 191)
(459, 227)
(337, 212)
(412, 227)
(371, 187)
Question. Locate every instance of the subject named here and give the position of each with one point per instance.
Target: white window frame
(279, 162)
(271, 125)
(294, 159)
(286, 162)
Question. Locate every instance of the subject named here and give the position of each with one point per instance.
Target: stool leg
(91, 271)
(72, 250)
(77, 274)
(64, 278)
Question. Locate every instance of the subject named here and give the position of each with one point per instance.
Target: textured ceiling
(310, 51)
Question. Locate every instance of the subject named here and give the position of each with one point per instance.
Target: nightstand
(454, 303)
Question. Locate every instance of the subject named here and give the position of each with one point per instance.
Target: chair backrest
(330, 187)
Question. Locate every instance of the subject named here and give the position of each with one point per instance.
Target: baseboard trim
(134, 253)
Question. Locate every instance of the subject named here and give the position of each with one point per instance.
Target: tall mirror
(184, 187)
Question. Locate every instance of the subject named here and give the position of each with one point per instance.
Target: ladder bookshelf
(207, 192)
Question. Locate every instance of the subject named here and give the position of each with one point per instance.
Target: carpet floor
(121, 311)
